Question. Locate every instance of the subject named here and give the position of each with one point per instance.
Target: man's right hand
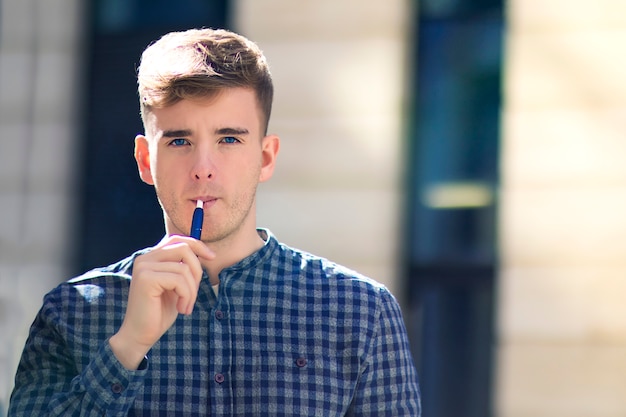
(164, 284)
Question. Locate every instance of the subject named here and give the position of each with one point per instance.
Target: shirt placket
(221, 353)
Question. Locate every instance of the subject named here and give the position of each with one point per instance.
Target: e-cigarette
(196, 221)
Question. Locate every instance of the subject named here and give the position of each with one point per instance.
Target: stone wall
(339, 69)
(39, 43)
(562, 315)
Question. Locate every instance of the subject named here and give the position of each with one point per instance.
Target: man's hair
(199, 63)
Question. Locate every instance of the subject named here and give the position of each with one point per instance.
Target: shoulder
(324, 271)
(118, 271)
(351, 299)
(97, 282)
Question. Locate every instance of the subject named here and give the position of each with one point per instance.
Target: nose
(203, 167)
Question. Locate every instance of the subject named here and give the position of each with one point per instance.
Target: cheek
(165, 179)
(253, 176)
(163, 170)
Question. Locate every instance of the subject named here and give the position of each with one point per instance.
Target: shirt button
(219, 378)
(219, 314)
(301, 362)
(117, 388)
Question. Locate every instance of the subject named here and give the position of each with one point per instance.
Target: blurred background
(469, 154)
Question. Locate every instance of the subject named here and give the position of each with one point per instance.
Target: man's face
(211, 150)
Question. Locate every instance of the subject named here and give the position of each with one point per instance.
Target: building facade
(342, 72)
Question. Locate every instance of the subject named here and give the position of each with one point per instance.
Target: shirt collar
(258, 257)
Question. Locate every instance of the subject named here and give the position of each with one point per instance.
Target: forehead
(231, 107)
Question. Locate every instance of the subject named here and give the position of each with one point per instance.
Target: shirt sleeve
(389, 384)
(49, 383)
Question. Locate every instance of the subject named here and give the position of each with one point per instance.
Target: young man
(232, 324)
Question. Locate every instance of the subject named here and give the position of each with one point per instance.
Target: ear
(142, 156)
(269, 148)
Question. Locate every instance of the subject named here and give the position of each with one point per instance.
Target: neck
(230, 251)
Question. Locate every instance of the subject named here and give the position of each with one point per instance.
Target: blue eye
(230, 139)
(179, 142)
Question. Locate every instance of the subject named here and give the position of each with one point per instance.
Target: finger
(189, 278)
(200, 249)
(175, 254)
(172, 283)
(197, 246)
(178, 252)
(155, 278)
(186, 256)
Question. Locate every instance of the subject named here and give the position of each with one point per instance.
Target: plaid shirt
(288, 334)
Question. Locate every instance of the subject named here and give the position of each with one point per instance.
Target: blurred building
(468, 154)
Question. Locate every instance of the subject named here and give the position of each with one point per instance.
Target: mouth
(207, 201)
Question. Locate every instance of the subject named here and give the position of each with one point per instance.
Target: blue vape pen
(196, 221)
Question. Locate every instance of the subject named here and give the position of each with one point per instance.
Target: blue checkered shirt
(288, 334)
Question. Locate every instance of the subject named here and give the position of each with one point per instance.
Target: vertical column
(562, 316)
(38, 125)
(339, 76)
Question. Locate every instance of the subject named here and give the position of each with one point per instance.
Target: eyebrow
(178, 133)
(232, 131)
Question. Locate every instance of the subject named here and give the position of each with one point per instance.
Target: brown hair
(199, 63)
